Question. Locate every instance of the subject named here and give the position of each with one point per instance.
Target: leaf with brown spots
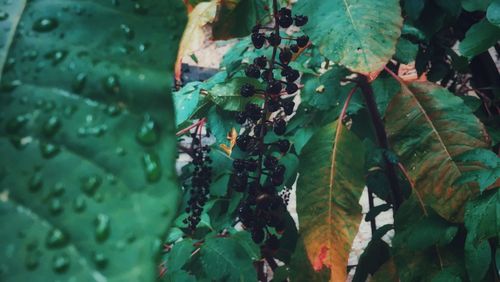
(329, 187)
(428, 127)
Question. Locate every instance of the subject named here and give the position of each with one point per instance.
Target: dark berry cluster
(260, 175)
(200, 182)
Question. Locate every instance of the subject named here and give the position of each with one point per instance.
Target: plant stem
(265, 108)
(381, 135)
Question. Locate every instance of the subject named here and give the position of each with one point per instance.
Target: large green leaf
(428, 127)
(87, 140)
(330, 184)
(421, 246)
(226, 259)
(484, 177)
(479, 38)
(360, 35)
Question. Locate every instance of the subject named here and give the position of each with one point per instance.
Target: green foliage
(360, 35)
(97, 101)
(479, 38)
(484, 177)
(87, 140)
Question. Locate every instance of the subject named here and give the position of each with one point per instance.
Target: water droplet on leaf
(51, 126)
(90, 184)
(55, 206)
(79, 204)
(60, 263)
(79, 82)
(35, 182)
(102, 227)
(152, 167)
(3, 16)
(111, 84)
(45, 24)
(148, 131)
(100, 260)
(56, 238)
(49, 150)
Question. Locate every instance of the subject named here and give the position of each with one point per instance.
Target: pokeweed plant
(429, 150)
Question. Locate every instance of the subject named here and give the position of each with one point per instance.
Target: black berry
(283, 146)
(261, 62)
(274, 87)
(252, 71)
(301, 20)
(302, 41)
(258, 40)
(285, 56)
(291, 88)
(279, 127)
(274, 39)
(247, 90)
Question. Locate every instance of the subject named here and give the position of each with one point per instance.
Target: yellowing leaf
(231, 136)
(428, 127)
(330, 184)
(195, 33)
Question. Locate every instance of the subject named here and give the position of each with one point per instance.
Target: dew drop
(3, 16)
(56, 238)
(60, 263)
(102, 227)
(55, 207)
(148, 131)
(45, 24)
(36, 182)
(99, 260)
(90, 184)
(120, 151)
(113, 110)
(56, 56)
(58, 190)
(140, 9)
(152, 167)
(31, 260)
(79, 204)
(15, 124)
(129, 33)
(51, 126)
(79, 82)
(49, 150)
(111, 84)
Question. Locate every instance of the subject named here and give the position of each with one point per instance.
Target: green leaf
(426, 232)
(413, 8)
(330, 185)
(477, 259)
(179, 255)
(87, 140)
(475, 5)
(360, 35)
(186, 100)
(406, 51)
(325, 91)
(482, 217)
(493, 13)
(479, 38)
(484, 177)
(220, 123)
(428, 127)
(237, 17)
(226, 260)
(415, 259)
(227, 95)
(447, 275)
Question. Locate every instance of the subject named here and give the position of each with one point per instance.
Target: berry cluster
(260, 175)
(200, 182)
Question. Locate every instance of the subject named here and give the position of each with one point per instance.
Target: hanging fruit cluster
(260, 175)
